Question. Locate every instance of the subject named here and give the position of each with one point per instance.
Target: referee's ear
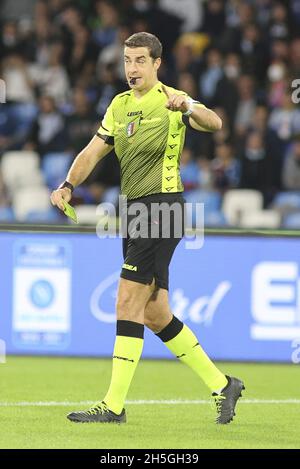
(157, 63)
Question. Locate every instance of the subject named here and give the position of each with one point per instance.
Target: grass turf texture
(35, 379)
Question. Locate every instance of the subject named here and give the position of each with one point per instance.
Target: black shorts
(147, 257)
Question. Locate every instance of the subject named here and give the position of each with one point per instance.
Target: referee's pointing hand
(176, 102)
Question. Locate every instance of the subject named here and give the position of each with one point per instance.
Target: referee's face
(140, 68)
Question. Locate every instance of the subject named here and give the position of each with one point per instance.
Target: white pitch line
(143, 402)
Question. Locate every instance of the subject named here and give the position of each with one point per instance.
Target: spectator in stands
(19, 83)
(225, 168)
(227, 88)
(48, 133)
(82, 123)
(155, 15)
(205, 175)
(277, 76)
(183, 57)
(211, 76)
(295, 15)
(105, 32)
(187, 83)
(237, 16)
(189, 12)
(279, 51)
(189, 170)
(263, 12)
(272, 177)
(223, 135)
(214, 18)
(253, 50)
(279, 28)
(113, 53)
(254, 163)
(54, 79)
(295, 58)
(10, 41)
(70, 20)
(111, 86)
(284, 122)
(246, 105)
(83, 51)
(38, 45)
(106, 176)
(259, 121)
(291, 167)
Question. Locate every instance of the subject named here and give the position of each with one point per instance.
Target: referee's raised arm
(200, 117)
(82, 166)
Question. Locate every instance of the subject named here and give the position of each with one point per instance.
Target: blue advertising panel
(41, 294)
(240, 295)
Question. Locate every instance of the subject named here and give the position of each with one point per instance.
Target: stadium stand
(62, 64)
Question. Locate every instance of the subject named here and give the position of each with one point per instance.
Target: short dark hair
(148, 40)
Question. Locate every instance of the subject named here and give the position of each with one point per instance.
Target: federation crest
(130, 129)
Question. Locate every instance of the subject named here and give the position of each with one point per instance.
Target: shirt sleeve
(106, 129)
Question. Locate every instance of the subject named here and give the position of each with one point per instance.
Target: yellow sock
(183, 343)
(127, 352)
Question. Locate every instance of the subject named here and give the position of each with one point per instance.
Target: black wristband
(68, 185)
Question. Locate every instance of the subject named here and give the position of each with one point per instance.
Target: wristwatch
(191, 107)
(68, 185)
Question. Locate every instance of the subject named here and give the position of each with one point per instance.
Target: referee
(146, 127)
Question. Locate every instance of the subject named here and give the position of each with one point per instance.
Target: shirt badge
(130, 129)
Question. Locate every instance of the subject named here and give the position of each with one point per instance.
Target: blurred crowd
(62, 63)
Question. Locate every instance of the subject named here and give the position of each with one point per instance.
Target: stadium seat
(90, 215)
(86, 214)
(292, 221)
(21, 169)
(111, 195)
(23, 114)
(6, 215)
(287, 201)
(30, 199)
(211, 201)
(261, 219)
(238, 201)
(55, 167)
(215, 219)
(51, 215)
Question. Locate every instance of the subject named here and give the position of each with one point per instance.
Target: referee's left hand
(176, 102)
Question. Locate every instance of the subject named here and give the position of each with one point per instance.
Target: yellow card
(70, 212)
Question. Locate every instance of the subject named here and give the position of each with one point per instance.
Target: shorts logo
(130, 267)
(130, 129)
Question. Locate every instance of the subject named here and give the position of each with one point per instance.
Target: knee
(152, 324)
(157, 322)
(127, 308)
(124, 303)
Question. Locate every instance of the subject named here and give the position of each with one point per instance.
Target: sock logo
(123, 358)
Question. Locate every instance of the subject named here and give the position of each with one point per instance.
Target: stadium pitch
(167, 407)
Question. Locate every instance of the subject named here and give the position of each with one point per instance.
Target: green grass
(149, 426)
